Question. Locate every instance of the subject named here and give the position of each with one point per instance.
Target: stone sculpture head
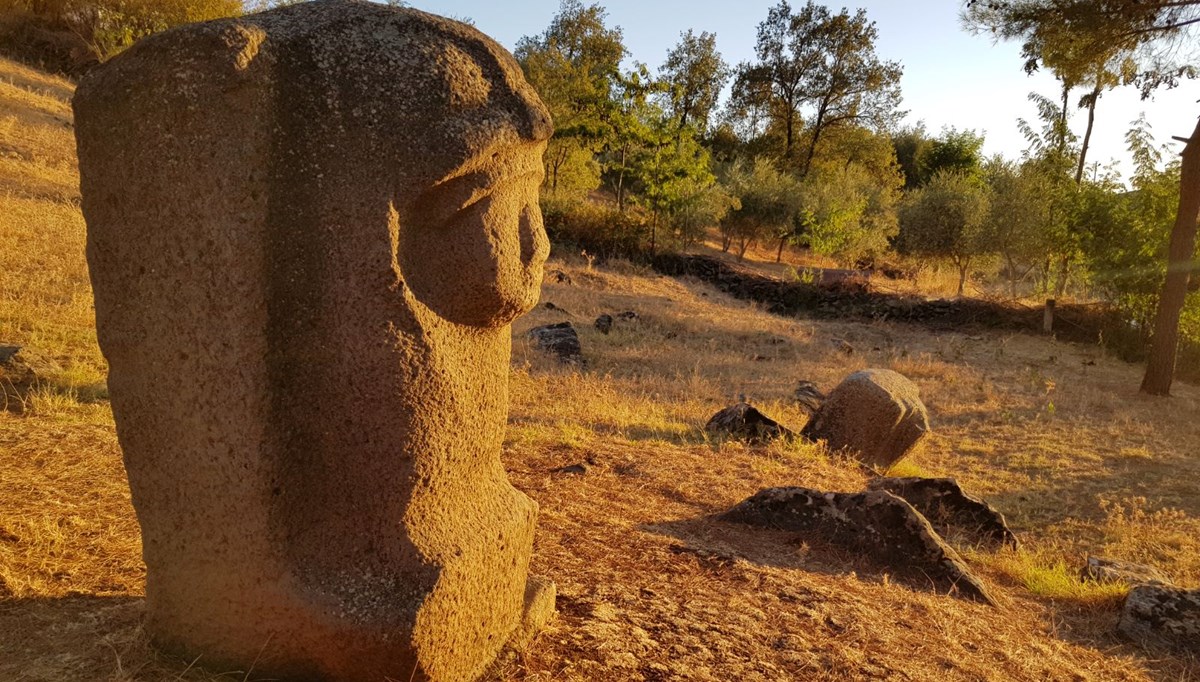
(308, 230)
(460, 138)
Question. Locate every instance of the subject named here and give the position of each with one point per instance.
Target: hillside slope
(651, 586)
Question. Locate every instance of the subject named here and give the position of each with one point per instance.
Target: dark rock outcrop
(877, 524)
(1163, 616)
(744, 422)
(559, 339)
(943, 502)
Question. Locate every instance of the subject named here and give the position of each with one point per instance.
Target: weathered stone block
(876, 415)
(308, 232)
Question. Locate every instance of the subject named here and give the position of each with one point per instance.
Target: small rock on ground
(604, 323)
(560, 339)
(744, 422)
(1160, 616)
(1101, 569)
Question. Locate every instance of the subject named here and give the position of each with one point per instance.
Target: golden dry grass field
(651, 587)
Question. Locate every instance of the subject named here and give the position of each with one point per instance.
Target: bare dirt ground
(651, 586)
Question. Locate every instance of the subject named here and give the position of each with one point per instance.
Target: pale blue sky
(950, 77)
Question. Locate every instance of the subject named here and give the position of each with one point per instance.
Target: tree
(1051, 157)
(574, 66)
(1155, 31)
(788, 53)
(822, 63)
(670, 170)
(909, 144)
(1020, 204)
(1128, 231)
(631, 120)
(944, 219)
(694, 75)
(767, 203)
(954, 150)
(850, 195)
(850, 85)
(700, 205)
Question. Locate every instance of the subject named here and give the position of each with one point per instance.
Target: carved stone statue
(308, 232)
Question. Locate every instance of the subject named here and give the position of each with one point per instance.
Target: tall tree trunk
(790, 124)
(743, 244)
(1062, 119)
(654, 232)
(1087, 135)
(779, 253)
(1064, 272)
(1160, 367)
(818, 126)
(963, 266)
(621, 181)
(1012, 274)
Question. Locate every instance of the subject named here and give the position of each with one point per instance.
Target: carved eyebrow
(465, 189)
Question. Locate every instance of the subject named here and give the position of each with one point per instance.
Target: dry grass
(652, 587)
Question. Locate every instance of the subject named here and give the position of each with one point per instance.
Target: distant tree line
(808, 150)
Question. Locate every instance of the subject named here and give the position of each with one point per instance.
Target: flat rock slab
(560, 340)
(1103, 570)
(876, 415)
(1163, 617)
(744, 422)
(877, 524)
(943, 502)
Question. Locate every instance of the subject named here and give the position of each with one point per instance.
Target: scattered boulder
(604, 323)
(628, 316)
(1105, 570)
(560, 339)
(744, 422)
(876, 414)
(1162, 616)
(943, 502)
(882, 527)
(843, 346)
(578, 468)
(549, 305)
(558, 277)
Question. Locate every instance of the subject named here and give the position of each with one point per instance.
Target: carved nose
(536, 125)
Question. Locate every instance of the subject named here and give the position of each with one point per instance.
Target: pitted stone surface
(1163, 616)
(308, 232)
(876, 415)
(946, 505)
(877, 524)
